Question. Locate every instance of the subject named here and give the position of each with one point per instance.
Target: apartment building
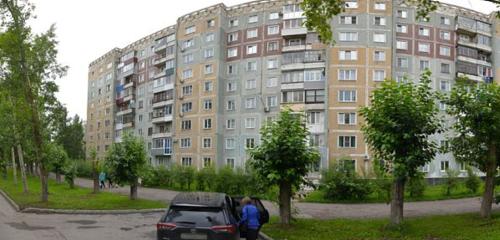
(199, 91)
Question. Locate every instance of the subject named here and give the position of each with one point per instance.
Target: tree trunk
(397, 201)
(58, 177)
(14, 167)
(20, 154)
(489, 184)
(133, 190)
(44, 178)
(95, 176)
(285, 202)
(72, 184)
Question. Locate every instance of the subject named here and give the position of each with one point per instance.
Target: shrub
(183, 176)
(70, 174)
(472, 182)
(416, 186)
(204, 179)
(224, 181)
(451, 181)
(84, 169)
(345, 185)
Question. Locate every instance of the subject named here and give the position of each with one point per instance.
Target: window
(402, 45)
(251, 49)
(379, 56)
(231, 69)
(347, 96)
(351, 4)
(188, 58)
(207, 104)
(188, 43)
(230, 124)
(252, 66)
(231, 86)
(185, 142)
(484, 40)
(442, 106)
(252, 33)
(314, 75)
(315, 118)
(444, 51)
(292, 97)
(379, 6)
(231, 37)
(188, 73)
(230, 143)
(208, 69)
(230, 105)
(346, 118)
(207, 123)
(444, 166)
(230, 162)
(274, 16)
(445, 20)
(232, 52)
(250, 143)
(251, 103)
(422, 31)
(401, 28)
(424, 64)
(379, 37)
(424, 47)
(187, 161)
(463, 166)
(210, 23)
(190, 29)
(272, 63)
(187, 107)
(187, 90)
(208, 53)
(378, 75)
(250, 122)
(347, 141)
(348, 55)
(380, 21)
(347, 74)
(402, 62)
(272, 82)
(445, 68)
(445, 35)
(348, 19)
(273, 29)
(253, 19)
(207, 161)
(233, 22)
(207, 142)
(272, 101)
(272, 46)
(315, 96)
(208, 86)
(444, 85)
(186, 124)
(348, 36)
(209, 37)
(402, 14)
(251, 84)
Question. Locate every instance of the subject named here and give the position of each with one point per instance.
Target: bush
(84, 169)
(224, 181)
(472, 182)
(416, 186)
(204, 179)
(383, 188)
(451, 181)
(345, 185)
(70, 174)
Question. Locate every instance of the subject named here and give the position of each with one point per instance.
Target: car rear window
(200, 217)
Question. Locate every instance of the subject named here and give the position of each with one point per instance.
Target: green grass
(62, 197)
(431, 193)
(456, 227)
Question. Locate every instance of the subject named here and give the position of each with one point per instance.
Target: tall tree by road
(398, 124)
(71, 136)
(30, 61)
(477, 113)
(283, 157)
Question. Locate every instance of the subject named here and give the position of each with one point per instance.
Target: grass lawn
(456, 227)
(62, 197)
(431, 193)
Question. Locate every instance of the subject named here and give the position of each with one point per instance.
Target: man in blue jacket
(250, 217)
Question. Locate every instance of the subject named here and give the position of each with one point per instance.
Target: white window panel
(378, 75)
(403, 45)
(348, 36)
(347, 74)
(379, 37)
(348, 55)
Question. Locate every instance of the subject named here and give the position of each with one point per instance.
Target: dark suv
(202, 215)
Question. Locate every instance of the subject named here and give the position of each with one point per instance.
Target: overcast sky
(86, 29)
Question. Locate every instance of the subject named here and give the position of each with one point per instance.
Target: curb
(10, 201)
(74, 211)
(263, 236)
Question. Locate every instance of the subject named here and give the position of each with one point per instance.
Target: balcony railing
(303, 57)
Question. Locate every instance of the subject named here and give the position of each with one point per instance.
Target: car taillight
(227, 228)
(165, 226)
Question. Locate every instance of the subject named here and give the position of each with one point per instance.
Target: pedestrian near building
(102, 180)
(250, 218)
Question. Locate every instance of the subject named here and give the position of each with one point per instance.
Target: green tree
(283, 157)
(451, 181)
(397, 127)
(71, 136)
(125, 161)
(475, 108)
(57, 159)
(70, 174)
(472, 182)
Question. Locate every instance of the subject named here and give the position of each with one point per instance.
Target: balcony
(473, 44)
(125, 110)
(163, 102)
(470, 77)
(160, 74)
(118, 126)
(160, 45)
(129, 97)
(161, 151)
(158, 60)
(164, 134)
(128, 124)
(293, 31)
(129, 84)
(293, 15)
(474, 61)
(163, 87)
(295, 48)
(316, 128)
(162, 119)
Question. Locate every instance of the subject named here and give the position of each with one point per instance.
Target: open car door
(237, 211)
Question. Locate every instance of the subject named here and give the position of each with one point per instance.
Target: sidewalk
(329, 211)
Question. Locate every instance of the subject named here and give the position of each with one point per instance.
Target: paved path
(329, 211)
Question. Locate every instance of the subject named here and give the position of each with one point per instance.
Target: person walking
(102, 180)
(250, 217)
